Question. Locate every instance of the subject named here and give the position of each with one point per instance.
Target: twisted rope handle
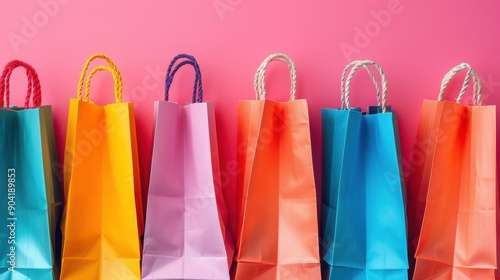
(382, 77)
(477, 89)
(118, 79)
(5, 85)
(342, 82)
(197, 89)
(33, 84)
(197, 82)
(259, 79)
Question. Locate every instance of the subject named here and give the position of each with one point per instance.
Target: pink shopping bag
(186, 234)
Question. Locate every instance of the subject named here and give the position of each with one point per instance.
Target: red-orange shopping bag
(277, 224)
(458, 234)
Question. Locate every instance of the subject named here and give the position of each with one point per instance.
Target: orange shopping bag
(458, 233)
(100, 222)
(277, 223)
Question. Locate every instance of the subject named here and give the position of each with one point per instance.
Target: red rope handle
(7, 86)
(33, 84)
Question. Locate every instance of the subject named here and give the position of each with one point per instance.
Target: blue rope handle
(197, 89)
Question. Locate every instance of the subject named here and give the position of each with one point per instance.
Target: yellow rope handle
(86, 67)
(116, 77)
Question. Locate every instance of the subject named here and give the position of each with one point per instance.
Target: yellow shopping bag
(102, 187)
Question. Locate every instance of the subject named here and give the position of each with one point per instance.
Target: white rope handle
(342, 82)
(477, 89)
(259, 79)
(382, 78)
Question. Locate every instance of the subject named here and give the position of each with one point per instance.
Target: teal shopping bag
(30, 199)
(363, 212)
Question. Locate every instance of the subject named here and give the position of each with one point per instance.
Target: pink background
(415, 42)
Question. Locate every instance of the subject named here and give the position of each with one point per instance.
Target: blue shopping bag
(30, 200)
(363, 210)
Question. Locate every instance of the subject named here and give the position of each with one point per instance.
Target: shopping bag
(100, 224)
(277, 222)
(75, 151)
(363, 210)
(429, 134)
(458, 232)
(330, 173)
(31, 202)
(186, 234)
